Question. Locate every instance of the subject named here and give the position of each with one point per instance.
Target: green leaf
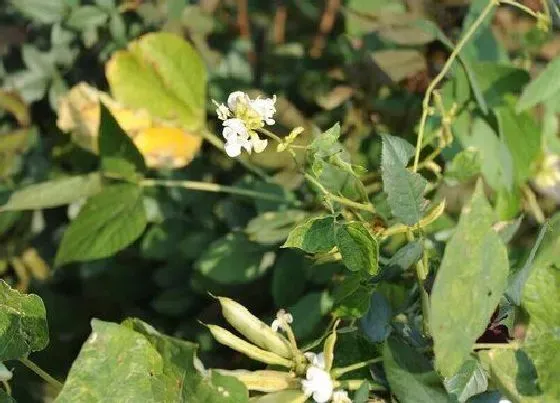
(410, 375)
(285, 290)
(53, 193)
(464, 166)
(43, 11)
(352, 298)
(474, 269)
(376, 323)
(119, 155)
(5, 398)
(496, 163)
(164, 74)
(133, 362)
(109, 222)
(86, 16)
(470, 380)
(23, 324)
(522, 136)
(542, 88)
(498, 80)
(272, 227)
(358, 248)
(514, 374)
(308, 312)
(518, 280)
(540, 300)
(405, 189)
(233, 259)
(314, 235)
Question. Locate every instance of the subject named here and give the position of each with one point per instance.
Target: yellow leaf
(161, 143)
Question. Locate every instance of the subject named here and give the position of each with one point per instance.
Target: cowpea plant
(420, 290)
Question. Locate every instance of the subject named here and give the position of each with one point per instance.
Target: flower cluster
(241, 118)
(318, 382)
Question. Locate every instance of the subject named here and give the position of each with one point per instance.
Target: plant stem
(214, 188)
(42, 374)
(421, 274)
(7, 387)
(337, 372)
(268, 133)
(354, 384)
(434, 83)
(520, 6)
(338, 199)
(496, 346)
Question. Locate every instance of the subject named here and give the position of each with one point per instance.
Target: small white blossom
(316, 360)
(242, 116)
(265, 108)
(237, 98)
(222, 111)
(341, 396)
(283, 319)
(5, 373)
(318, 384)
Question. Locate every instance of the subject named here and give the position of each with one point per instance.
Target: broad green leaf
(272, 227)
(470, 380)
(410, 375)
(544, 86)
(518, 280)
(119, 155)
(314, 235)
(109, 222)
(352, 297)
(540, 299)
(464, 166)
(164, 74)
(53, 193)
(514, 374)
(86, 16)
(474, 269)
(406, 256)
(522, 136)
(496, 162)
(290, 265)
(132, 362)
(405, 189)
(498, 80)
(233, 259)
(376, 323)
(23, 324)
(358, 248)
(43, 11)
(331, 166)
(309, 311)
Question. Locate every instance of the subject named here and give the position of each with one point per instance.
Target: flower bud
(264, 381)
(253, 329)
(229, 339)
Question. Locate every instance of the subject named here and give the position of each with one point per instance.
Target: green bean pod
(253, 328)
(265, 380)
(227, 338)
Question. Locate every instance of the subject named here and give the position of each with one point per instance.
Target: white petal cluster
(241, 117)
(283, 319)
(319, 384)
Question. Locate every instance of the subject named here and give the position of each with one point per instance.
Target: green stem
(42, 374)
(354, 384)
(338, 372)
(7, 387)
(268, 133)
(421, 274)
(496, 346)
(214, 188)
(522, 7)
(338, 199)
(434, 83)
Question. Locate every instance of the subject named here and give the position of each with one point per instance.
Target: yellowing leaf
(161, 143)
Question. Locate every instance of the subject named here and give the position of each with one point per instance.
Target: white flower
(5, 373)
(237, 137)
(236, 98)
(316, 360)
(265, 108)
(283, 318)
(341, 396)
(222, 111)
(318, 384)
(258, 144)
